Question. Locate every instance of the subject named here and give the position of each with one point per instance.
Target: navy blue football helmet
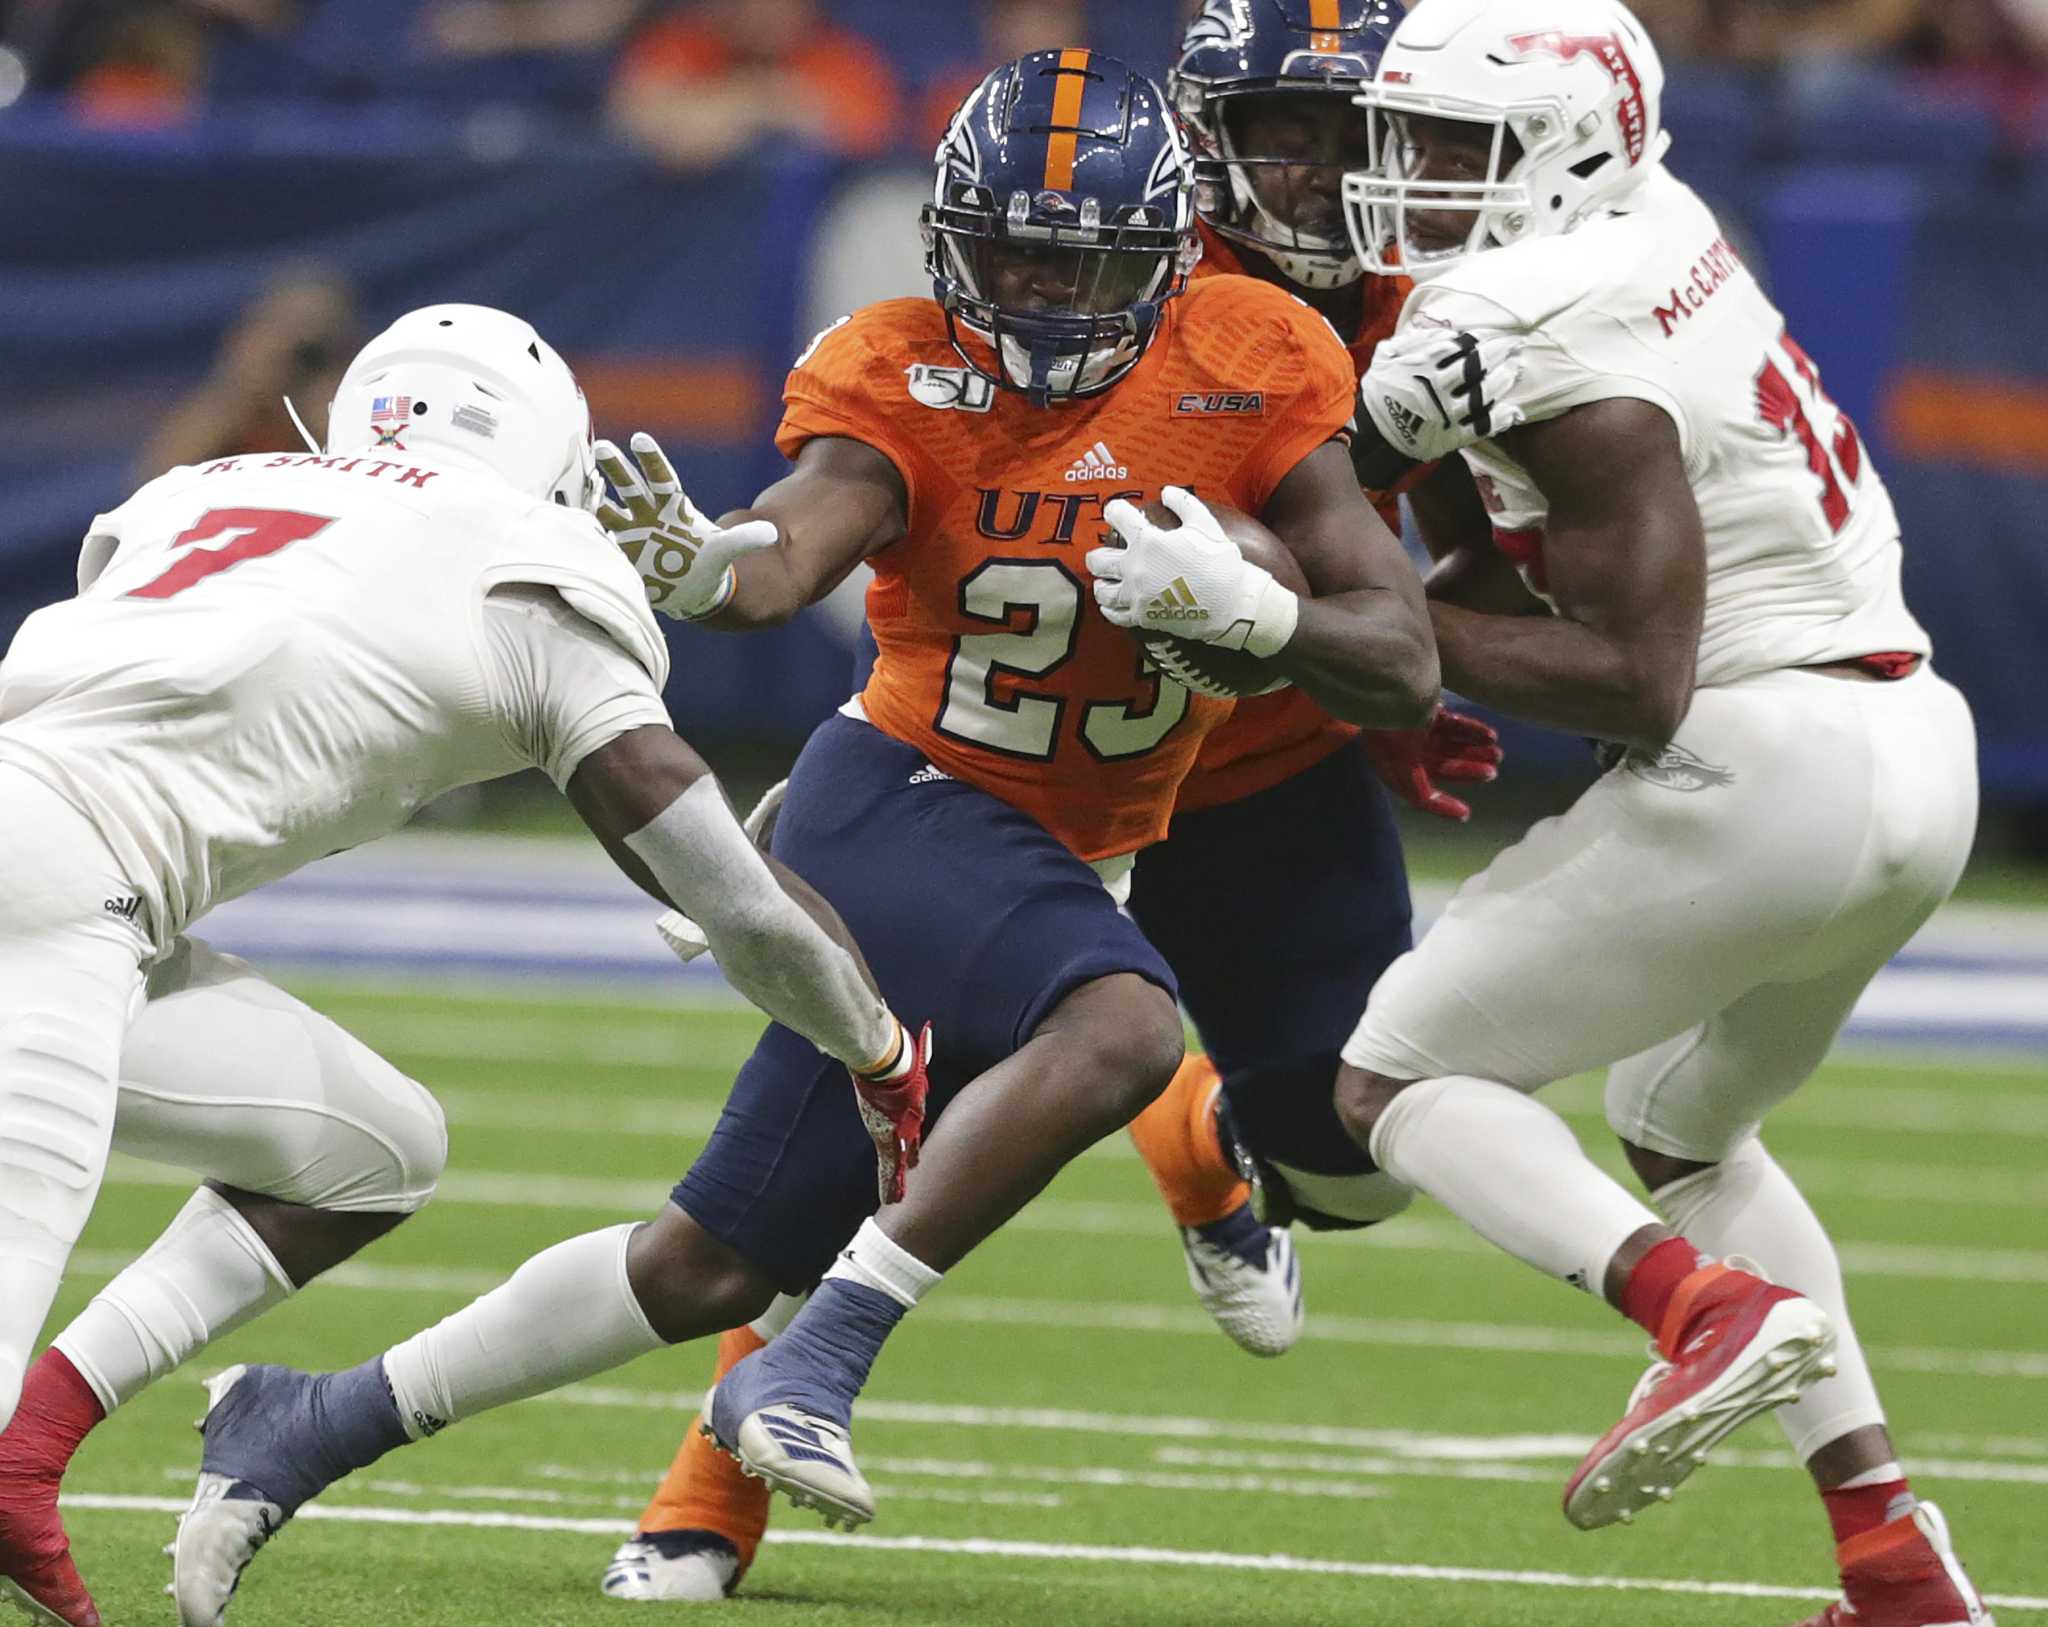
(1265, 87)
(1061, 223)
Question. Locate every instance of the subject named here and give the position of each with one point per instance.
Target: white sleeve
(561, 687)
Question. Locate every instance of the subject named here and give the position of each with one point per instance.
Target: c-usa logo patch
(950, 389)
(1676, 769)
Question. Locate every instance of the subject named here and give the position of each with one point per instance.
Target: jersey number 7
(263, 531)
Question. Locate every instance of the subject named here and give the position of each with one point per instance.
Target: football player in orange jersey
(1008, 737)
(1281, 826)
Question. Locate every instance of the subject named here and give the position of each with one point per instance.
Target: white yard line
(1059, 1552)
(1126, 1318)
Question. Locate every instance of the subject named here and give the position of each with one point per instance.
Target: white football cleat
(1252, 1287)
(217, 1537)
(675, 1567)
(807, 1458)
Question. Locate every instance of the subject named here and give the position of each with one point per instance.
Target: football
(1209, 669)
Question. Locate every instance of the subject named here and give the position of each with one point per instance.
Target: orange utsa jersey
(1270, 738)
(993, 659)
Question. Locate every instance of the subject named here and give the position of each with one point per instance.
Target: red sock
(1648, 1292)
(1852, 1513)
(56, 1412)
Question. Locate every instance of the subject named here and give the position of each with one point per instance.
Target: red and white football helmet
(1578, 85)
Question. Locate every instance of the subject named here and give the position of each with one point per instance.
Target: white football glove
(684, 559)
(1433, 391)
(1190, 582)
(683, 936)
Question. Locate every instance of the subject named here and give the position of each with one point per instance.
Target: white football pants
(205, 1066)
(1702, 924)
(228, 1076)
(70, 979)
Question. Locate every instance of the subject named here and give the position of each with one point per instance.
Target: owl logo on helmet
(1550, 112)
(1061, 223)
(1266, 87)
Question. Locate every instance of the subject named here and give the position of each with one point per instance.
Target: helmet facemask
(1057, 301)
(1275, 182)
(1433, 169)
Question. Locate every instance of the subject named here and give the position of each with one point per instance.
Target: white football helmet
(479, 388)
(1576, 83)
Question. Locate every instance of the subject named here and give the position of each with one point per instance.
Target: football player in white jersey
(1683, 551)
(272, 658)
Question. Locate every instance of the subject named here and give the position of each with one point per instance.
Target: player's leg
(1689, 1111)
(1051, 1002)
(70, 974)
(919, 872)
(1307, 879)
(698, 1535)
(313, 1147)
(1672, 887)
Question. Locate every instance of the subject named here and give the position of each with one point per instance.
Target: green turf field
(1057, 1435)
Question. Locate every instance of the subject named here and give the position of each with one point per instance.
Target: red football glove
(1450, 746)
(892, 1107)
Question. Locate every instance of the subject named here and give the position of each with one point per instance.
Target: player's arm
(660, 813)
(757, 566)
(841, 503)
(1469, 569)
(1625, 554)
(1361, 645)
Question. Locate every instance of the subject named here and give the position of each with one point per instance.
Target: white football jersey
(1653, 303)
(272, 658)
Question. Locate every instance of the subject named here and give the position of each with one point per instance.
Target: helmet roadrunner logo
(1611, 54)
(1098, 463)
(1177, 603)
(1676, 769)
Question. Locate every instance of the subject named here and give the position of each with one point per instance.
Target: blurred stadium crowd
(210, 202)
(694, 82)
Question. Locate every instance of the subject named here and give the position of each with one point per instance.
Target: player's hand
(684, 559)
(891, 1103)
(1451, 746)
(1191, 581)
(1432, 391)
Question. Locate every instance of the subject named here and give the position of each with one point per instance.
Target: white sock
(566, 1314)
(1511, 1170)
(1747, 1205)
(875, 1260)
(781, 1312)
(204, 1277)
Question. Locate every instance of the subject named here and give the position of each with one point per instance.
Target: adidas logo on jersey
(929, 775)
(1177, 603)
(1098, 463)
(126, 908)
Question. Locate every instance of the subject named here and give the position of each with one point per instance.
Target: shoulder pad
(570, 552)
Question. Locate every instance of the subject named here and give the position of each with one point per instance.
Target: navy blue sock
(821, 1359)
(1242, 1233)
(291, 1435)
